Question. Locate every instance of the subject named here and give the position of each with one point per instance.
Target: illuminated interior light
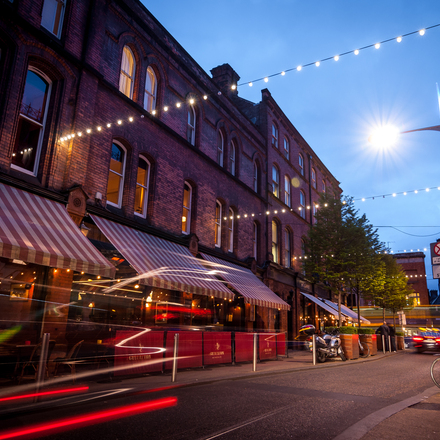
(356, 52)
(377, 45)
(266, 79)
(318, 63)
(336, 58)
(399, 39)
(422, 32)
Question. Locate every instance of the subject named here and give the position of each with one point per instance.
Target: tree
(340, 247)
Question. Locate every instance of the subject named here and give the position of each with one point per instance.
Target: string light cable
(395, 194)
(377, 45)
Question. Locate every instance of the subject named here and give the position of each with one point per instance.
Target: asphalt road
(309, 404)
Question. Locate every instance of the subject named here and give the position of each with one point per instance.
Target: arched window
(232, 154)
(313, 178)
(302, 203)
(31, 122)
(128, 68)
(220, 148)
(116, 175)
(231, 221)
(142, 183)
(301, 164)
(274, 136)
(191, 127)
(286, 148)
(287, 191)
(186, 213)
(287, 248)
(52, 16)
(275, 181)
(255, 241)
(315, 209)
(218, 223)
(150, 90)
(275, 248)
(256, 177)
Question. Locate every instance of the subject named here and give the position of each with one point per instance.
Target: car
(427, 340)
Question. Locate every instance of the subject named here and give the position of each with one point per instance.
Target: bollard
(43, 361)
(176, 349)
(254, 362)
(314, 349)
(383, 344)
(389, 344)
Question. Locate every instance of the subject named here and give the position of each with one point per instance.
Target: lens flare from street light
(384, 137)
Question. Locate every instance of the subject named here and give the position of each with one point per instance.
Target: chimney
(225, 77)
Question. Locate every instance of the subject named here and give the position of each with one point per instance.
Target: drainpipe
(310, 190)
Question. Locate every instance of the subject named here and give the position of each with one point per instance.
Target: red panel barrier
(267, 345)
(190, 349)
(281, 344)
(244, 346)
(140, 352)
(217, 348)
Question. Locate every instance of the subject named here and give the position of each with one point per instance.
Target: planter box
(350, 345)
(400, 340)
(371, 341)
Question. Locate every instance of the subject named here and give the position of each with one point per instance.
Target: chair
(34, 360)
(69, 360)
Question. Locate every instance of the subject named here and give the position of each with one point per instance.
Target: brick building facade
(104, 112)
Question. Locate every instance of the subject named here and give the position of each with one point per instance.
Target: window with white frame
(274, 136)
(142, 179)
(186, 212)
(255, 241)
(286, 148)
(275, 248)
(220, 148)
(52, 16)
(275, 181)
(255, 177)
(287, 191)
(31, 122)
(231, 221)
(313, 178)
(116, 175)
(302, 204)
(218, 224)
(232, 155)
(150, 90)
(301, 163)
(191, 127)
(128, 68)
(323, 186)
(287, 248)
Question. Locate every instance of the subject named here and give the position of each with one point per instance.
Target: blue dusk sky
(337, 105)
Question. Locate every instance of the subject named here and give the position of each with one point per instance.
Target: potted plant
(349, 341)
(400, 340)
(368, 336)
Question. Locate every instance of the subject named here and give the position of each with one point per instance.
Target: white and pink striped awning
(37, 230)
(246, 283)
(162, 263)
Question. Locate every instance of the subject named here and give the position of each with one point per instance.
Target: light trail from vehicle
(44, 393)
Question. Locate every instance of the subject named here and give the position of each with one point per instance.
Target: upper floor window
(301, 164)
(255, 177)
(150, 90)
(275, 248)
(116, 175)
(302, 204)
(323, 186)
(231, 221)
(220, 148)
(232, 154)
(52, 16)
(287, 248)
(218, 224)
(286, 148)
(142, 179)
(255, 241)
(275, 181)
(128, 68)
(287, 191)
(186, 213)
(191, 127)
(31, 122)
(315, 210)
(274, 136)
(313, 178)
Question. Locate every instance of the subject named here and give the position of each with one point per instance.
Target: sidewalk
(417, 418)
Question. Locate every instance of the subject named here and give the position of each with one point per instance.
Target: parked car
(427, 341)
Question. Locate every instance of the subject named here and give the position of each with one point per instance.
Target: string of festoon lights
(205, 96)
(395, 194)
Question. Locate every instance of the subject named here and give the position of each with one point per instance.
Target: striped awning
(320, 302)
(246, 283)
(37, 230)
(162, 263)
(346, 311)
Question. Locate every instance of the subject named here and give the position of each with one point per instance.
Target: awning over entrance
(246, 283)
(162, 263)
(322, 304)
(37, 230)
(346, 311)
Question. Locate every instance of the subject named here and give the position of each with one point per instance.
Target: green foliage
(348, 330)
(400, 333)
(366, 331)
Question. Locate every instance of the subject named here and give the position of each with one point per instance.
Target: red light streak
(43, 393)
(97, 417)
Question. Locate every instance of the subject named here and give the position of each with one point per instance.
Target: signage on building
(435, 260)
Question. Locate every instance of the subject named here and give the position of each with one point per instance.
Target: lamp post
(433, 128)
